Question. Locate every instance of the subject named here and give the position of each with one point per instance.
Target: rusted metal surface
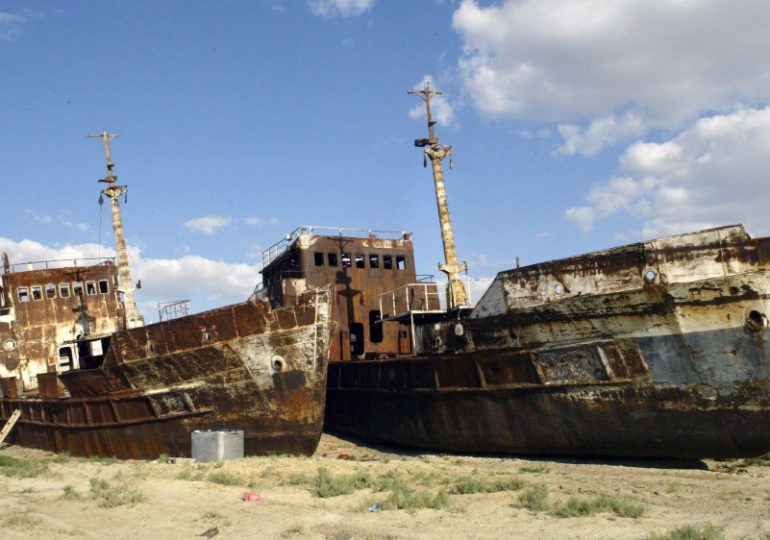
(359, 269)
(244, 366)
(436, 152)
(113, 192)
(48, 305)
(654, 349)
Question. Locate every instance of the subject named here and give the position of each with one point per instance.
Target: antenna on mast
(457, 296)
(113, 192)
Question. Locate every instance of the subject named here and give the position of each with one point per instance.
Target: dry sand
(44, 496)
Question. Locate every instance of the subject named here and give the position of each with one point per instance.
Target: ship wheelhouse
(364, 267)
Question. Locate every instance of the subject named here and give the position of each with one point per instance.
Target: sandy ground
(48, 496)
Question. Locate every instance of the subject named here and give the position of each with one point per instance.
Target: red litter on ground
(343, 456)
(250, 496)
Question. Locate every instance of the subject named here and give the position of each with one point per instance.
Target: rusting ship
(82, 374)
(654, 349)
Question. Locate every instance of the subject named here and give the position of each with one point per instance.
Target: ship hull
(243, 367)
(621, 420)
(658, 349)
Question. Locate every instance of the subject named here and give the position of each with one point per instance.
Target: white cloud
(258, 221)
(207, 224)
(712, 173)
(442, 110)
(616, 68)
(600, 133)
(208, 283)
(341, 8)
(10, 26)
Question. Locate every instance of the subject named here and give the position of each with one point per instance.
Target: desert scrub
(403, 498)
(764, 459)
(327, 485)
(692, 532)
(69, 492)
(22, 468)
(224, 478)
(112, 495)
(300, 479)
(468, 485)
(575, 507)
(535, 498)
(540, 469)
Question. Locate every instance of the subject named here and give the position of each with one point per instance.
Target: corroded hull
(240, 367)
(655, 349)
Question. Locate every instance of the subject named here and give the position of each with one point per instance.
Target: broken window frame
(104, 286)
(36, 292)
(23, 294)
(77, 288)
(64, 290)
(50, 291)
(387, 262)
(318, 258)
(91, 287)
(332, 259)
(346, 260)
(401, 262)
(374, 260)
(360, 260)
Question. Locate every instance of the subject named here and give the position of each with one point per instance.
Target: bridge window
(332, 259)
(50, 291)
(374, 261)
(346, 260)
(104, 286)
(90, 288)
(23, 293)
(64, 290)
(375, 327)
(359, 260)
(400, 262)
(77, 288)
(387, 262)
(65, 358)
(37, 292)
(356, 339)
(319, 258)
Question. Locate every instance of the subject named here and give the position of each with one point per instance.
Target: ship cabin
(373, 275)
(55, 316)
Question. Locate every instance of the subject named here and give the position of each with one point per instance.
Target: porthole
(756, 321)
(650, 275)
(9, 345)
(278, 364)
(558, 289)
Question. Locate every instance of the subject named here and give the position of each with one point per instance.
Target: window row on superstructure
(51, 291)
(360, 260)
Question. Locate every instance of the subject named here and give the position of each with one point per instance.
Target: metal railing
(419, 298)
(60, 263)
(274, 251)
(413, 298)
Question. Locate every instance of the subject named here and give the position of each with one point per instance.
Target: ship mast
(437, 152)
(113, 192)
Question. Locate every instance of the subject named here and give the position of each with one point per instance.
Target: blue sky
(576, 125)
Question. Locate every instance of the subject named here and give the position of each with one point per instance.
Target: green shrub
(69, 492)
(692, 532)
(224, 478)
(331, 486)
(403, 498)
(535, 498)
(575, 507)
(22, 468)
(110, 496)
(468, 485)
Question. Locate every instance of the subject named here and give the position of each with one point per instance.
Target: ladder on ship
(9, 425)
